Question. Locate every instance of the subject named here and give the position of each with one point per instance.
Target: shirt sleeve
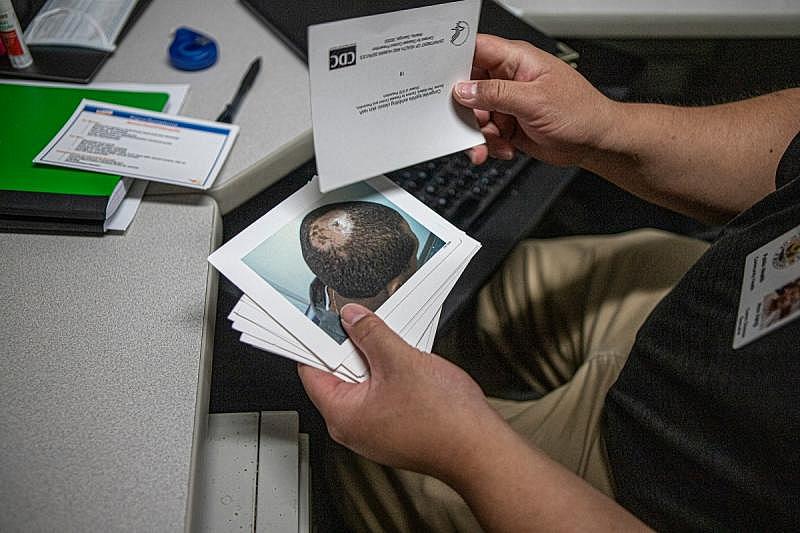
(789, 166)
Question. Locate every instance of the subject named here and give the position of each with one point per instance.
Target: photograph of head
(788, 253)
(360, 252)
(346, 251)
(780, 303)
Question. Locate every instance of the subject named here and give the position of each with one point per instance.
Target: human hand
(416, 411)
(529, 100)
(419, 412)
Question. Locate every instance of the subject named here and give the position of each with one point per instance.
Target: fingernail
(467, 89)
(507, 154)
(352, 313)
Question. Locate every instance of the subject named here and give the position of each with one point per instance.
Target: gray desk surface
(275, 117)
(104, 370)
(106, 342)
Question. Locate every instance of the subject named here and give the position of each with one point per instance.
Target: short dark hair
(358, 252)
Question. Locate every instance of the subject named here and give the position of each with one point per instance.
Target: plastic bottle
(11, 35)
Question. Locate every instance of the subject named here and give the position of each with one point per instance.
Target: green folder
(32, 116)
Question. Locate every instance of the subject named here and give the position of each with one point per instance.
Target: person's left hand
(417, 411)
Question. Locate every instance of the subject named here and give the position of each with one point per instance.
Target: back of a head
(356, 247)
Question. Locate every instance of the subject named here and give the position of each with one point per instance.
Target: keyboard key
(457, 189)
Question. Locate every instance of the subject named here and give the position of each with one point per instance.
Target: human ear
(394, 284)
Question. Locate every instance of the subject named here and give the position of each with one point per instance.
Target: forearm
(513, 487)
(707, 162)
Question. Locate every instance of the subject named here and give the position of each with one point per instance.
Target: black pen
(247, 82)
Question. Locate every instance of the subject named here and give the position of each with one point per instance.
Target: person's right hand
(416, 411)
(529, 100)
(420, 412)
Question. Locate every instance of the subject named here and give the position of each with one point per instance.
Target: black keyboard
(457, 189)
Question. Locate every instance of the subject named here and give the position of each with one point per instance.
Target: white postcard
(417, 326)
(253, 321)
(381, 90)
(254, 333)
(266, 346)
(770, 294)
(371, 242)
(141, 144)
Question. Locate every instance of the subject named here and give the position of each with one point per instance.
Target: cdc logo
(342, 56)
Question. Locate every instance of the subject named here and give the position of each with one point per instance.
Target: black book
(290, 19)
(61, 226)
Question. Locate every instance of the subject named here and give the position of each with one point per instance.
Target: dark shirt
(320, 312)
(701, 436)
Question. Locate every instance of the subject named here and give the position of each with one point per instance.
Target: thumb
(505, 96)
(384, 349)
(325, 390)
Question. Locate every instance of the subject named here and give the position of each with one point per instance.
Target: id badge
(770, 294)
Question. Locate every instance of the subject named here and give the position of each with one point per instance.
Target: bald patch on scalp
(357, 247)
(331, 232)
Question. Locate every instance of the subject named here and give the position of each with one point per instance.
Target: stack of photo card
(370, 243)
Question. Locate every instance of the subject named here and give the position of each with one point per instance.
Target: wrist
(475, 453)
(610, 133)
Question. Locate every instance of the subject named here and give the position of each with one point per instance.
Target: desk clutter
(78, 159)
(111, 139)
(38, 198)
(69, 41)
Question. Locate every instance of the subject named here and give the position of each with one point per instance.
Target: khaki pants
(560, 317)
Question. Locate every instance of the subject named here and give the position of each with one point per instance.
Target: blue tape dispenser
(191, 50)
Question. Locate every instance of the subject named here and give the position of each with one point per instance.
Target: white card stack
(371, 243)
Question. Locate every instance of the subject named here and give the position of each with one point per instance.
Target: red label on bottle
(12, 42)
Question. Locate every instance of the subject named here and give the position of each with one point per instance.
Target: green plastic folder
(32, 116)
